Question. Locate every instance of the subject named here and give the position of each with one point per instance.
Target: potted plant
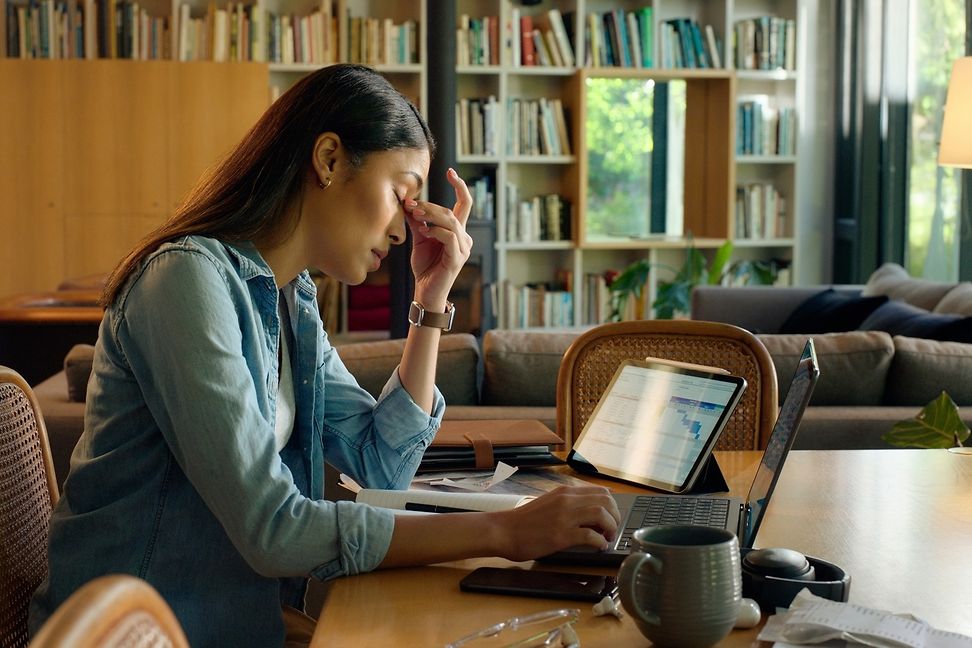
(673, 296)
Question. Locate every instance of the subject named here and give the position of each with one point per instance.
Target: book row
(537, 304)
(760, 212)
(58, 29)
(540, 218)
(765, 43)
(763, 129)
(619, 38)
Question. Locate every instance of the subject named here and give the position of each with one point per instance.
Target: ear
(327, 150)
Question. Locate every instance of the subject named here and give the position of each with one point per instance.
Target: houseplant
(937, 425)
(673, 295)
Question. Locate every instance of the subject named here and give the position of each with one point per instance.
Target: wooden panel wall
(93, 154)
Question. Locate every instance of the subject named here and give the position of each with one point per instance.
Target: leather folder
(480, 444)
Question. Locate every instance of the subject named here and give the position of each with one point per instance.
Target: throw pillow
(900, 318)
(958, 301)
(831, 312)
(893, 281)
(921, 369)
(853, 365)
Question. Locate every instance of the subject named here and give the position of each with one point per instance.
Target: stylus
(433, 508)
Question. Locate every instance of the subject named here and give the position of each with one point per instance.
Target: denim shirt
(176, 478)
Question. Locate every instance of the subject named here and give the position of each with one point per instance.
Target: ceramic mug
(682, 585)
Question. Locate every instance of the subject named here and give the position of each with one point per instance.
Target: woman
(215, 397)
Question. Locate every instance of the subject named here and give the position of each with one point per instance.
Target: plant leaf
(719, 263)
(938, 425)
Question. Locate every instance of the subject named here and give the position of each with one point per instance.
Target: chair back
(590, 363)
(114, 611)
(28, 492)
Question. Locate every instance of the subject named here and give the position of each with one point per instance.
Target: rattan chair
(28, 491)
(115, 611)
(590, 363)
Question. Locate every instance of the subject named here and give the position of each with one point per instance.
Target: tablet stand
(710, 479)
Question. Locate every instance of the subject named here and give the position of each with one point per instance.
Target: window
(932, 225)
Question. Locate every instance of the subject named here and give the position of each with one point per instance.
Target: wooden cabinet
(96, 153)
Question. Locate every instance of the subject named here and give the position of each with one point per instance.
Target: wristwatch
(418, 316)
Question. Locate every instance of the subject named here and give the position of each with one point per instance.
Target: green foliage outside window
(619, 148)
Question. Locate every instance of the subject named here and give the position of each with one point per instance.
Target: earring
(325, 183)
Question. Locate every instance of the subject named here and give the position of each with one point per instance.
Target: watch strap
(418, 316)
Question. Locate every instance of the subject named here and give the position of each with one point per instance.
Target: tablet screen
(656, 424)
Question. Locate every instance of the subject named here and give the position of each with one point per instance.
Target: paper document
(822, 622)
(428, 501)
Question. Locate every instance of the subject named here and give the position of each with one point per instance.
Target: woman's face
(350, 225)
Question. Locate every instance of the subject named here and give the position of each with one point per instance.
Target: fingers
(464, 201)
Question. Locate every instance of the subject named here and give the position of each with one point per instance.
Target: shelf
(766, 75)
(477, 159)
(535, 245)
(661, 74)
(764, 243)
(541, 70)
(478, 69)
(660, 242)
(542, 159)
(766, 159)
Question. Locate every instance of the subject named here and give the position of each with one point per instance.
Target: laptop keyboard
(655, 510)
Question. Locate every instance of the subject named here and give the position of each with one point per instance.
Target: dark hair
(246, 195)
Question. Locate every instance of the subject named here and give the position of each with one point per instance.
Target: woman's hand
(565, 517)
(440, 244)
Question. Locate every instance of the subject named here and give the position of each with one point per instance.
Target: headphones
(774, 576)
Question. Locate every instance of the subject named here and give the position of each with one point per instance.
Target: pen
(433, 508)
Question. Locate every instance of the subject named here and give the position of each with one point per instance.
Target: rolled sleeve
(366, 534)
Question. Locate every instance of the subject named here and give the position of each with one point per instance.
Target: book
(560, 33)
(428, 501)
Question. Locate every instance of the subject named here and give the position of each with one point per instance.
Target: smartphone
(542, 584)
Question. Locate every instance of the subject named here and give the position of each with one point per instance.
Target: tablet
(657, 423)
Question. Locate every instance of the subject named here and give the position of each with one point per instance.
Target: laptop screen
(655, 423)
(780, 441)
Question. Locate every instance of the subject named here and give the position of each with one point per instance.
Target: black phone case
(540, 584)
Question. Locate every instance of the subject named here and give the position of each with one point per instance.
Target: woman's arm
(565, 517)
(440, 248)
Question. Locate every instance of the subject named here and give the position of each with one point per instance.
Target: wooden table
(900, 522)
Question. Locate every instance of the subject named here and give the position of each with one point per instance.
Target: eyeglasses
(550, 628)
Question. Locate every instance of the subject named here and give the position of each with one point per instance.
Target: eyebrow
(418, 178)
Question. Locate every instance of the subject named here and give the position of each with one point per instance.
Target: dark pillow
(831, 312)
(900, 318)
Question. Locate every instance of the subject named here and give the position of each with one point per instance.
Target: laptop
(741, 517)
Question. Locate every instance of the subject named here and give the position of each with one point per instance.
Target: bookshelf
(710, 172)
(110, 122)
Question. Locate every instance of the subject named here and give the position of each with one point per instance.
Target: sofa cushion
(853, 365)
(900, 318)
(957, 301)
(893, 280)
(372, 363)
(831, 311)
(921, 369)
(77, 367)
(520, 367)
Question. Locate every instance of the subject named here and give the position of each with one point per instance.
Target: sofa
(886, 348)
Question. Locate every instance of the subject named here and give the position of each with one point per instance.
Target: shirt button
(305, 382)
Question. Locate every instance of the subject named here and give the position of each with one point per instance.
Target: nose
(396, 231)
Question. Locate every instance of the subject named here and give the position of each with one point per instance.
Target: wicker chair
(115, 611)
(28, 491)
(590, 363)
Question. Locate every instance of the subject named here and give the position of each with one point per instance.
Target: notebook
(741, 517)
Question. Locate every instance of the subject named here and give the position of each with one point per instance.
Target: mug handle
(627, 576)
